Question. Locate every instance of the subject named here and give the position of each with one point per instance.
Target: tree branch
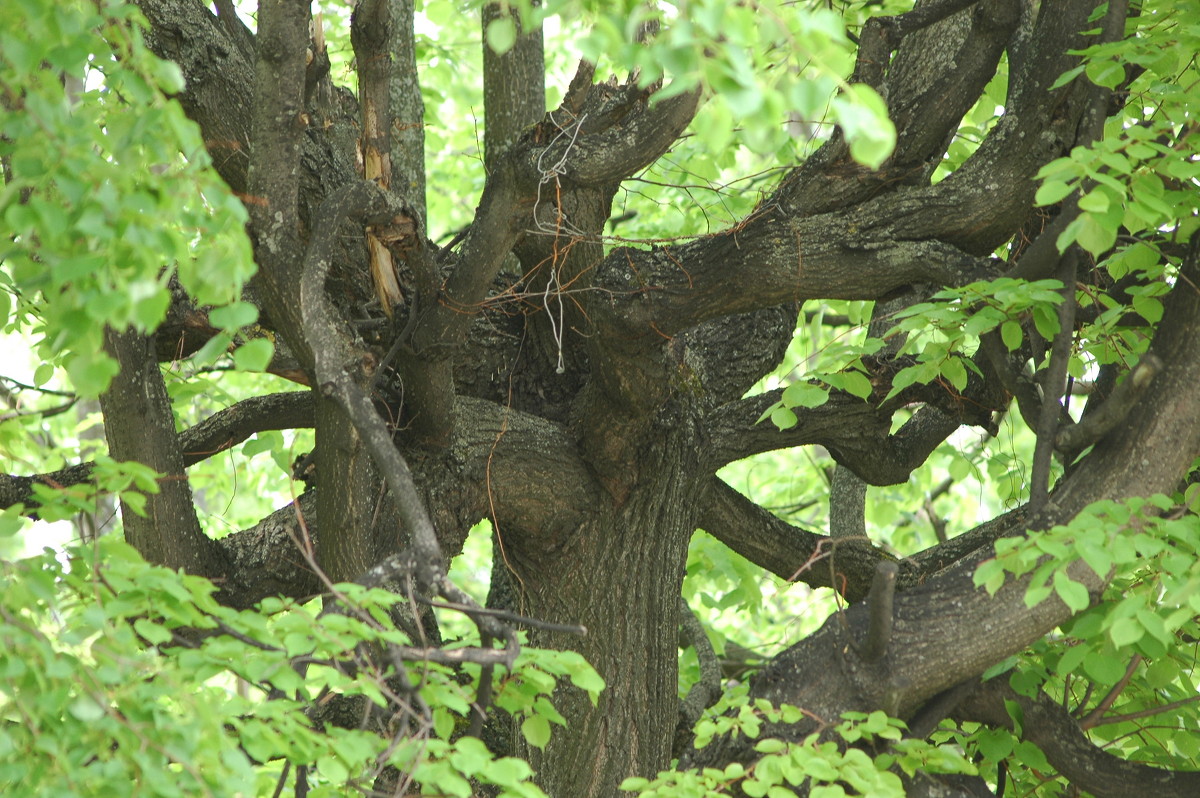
(514, 93)
(140, 426)
(787, 551)
(215, 434)
(946, 630)
(854, 431)
(879, 613)
(1054, 383)
(1074, 438)
(335, 369)
(273, 182)
(407, 114)
(707, 690)
(1048, 726)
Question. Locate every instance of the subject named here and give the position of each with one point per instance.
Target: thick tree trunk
(620, 575)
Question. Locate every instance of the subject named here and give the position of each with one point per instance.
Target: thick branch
(1095, 425)
(879, 613)
(337, 376)
(946, 630)
(140, 426)
(1052, 729)
(707, 690)
(371, 34)
(407, 110)
(855, 432)
(229, 427)
(619, 150)
(514, 93)
(1054, 382)
(788, 551)
(776, 260)
(277, 130)
(215, 434)
(847, 504)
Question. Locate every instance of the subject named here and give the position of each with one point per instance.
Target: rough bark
(140, 427)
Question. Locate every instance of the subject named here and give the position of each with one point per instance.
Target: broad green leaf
(502, 34)
(536, 730)
(1052, 191)
(1073, 594)
(804, 394)
(1012, 335)
(254, 355)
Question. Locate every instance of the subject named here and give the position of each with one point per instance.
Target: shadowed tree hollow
(554, 357)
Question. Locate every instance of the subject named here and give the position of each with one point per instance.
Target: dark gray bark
(140, 426)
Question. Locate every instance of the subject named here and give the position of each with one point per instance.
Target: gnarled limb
(946, 630)
(1088, 767)
(787, 551)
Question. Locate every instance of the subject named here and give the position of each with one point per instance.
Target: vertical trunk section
(619, 575)
(407, 110)
(140, 426)
(514, 85)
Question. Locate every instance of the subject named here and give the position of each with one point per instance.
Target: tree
(1018, 226)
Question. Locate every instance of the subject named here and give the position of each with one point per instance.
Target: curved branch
(229, 427)
(1099, 422)
(215, 434)
(1052, 729)
(856, 433)
(334, 365)
(788, 551)
(946, 629)
(642, 135)
(707, 690)
(334, 361)
(776, 260)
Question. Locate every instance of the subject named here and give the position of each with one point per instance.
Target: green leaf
(588, 679)
(1031, 756)
(1106, 73)
(770, 745)
(1148, 308)
(42, 374)
(91, 372)
(1095, 201)
(1073, 594)
(804, 394)
(955, 372)
(86, 709)
(995, 744)
(1095, 235)
(855, 383)
(1052, 191)
(1046, 321)
(1012, 335)
(254, 355)
(233, 316)
(862, 114)
(536, 730)
(1104, 668)
(783, 418)
(502, 35)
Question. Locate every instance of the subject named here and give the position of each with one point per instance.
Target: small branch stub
(879, 613)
